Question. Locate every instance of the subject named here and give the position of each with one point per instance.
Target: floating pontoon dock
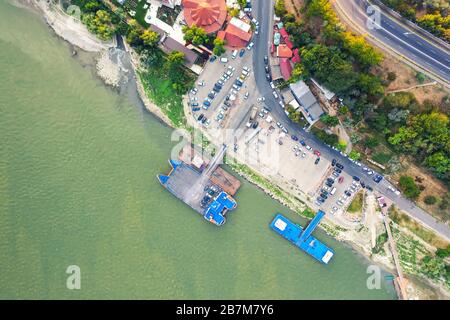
(302, 238)
(202, 185)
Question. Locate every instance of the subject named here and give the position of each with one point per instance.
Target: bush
(430, 200)
(420, 77)
(409, 187)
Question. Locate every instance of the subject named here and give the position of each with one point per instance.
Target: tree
(99, 23)
(297, 73)
(363, 52)
(150, 38)
(134, 34)
(354, 155)
(409, 187)
(197, 36)
(427, 136)
(430, 200)
(219, 47)
(371, 142)
(280, 8)
(330, 121)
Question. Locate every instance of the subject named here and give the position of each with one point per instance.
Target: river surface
(78, 166)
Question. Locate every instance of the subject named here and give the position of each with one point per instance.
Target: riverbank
(277, 193)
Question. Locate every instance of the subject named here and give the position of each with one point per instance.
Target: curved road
(263, 11)
(397, 37)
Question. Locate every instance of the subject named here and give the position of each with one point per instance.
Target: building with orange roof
(209, 15)
(283, 51)
(237, 34)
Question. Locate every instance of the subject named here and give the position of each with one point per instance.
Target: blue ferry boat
(302, 238)
(209, 200)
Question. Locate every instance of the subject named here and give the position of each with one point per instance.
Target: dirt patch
(430, 186)
(294, 7)
(406, 79)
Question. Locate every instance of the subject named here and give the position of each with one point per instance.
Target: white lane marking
(409, 45)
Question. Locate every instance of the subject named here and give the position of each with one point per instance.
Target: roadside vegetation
(356, 205)
(386, 129)
(432, 15)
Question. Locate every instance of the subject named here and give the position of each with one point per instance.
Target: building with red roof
(209, 15)
(237, 34)
(296, 57)
(286, 68)
(283, 51)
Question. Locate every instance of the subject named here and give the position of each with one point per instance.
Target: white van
(333, 191)
(224, 60)
(234, 54)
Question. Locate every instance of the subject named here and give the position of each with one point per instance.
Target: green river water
(78, 166)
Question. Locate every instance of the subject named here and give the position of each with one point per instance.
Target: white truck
(253, 114)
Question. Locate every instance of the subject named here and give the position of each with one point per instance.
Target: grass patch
(381, 157)
(357, 203)
(161, 93)
(381, 240)
(428, 236)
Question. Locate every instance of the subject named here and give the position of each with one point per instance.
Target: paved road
(395, 35)
(263, 11)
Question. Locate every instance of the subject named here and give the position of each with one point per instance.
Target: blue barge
(302, 238)
(207, 198)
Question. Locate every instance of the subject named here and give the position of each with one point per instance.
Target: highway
(396, 37)
(263, 11)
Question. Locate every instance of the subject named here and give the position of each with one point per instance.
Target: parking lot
(217, 86)
(262, 142)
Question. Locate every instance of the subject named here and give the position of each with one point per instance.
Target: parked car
(377, 178)
(295, 138)
(200, 117)
(212, 59)
(234, 54)
(303, 143)
(261, 99)
(250, 45)
(341, 179)
(195, 109)
(246, 95)
(275, 94)
(317, 153)
(266, 60)
(340, 166)
(266, 68)
(333, 163)
(356, 178)
(317, 161)
(268, 77)
(241, 53)
(224, 60)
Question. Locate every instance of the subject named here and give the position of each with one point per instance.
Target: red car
(341, 179)
(317, 153)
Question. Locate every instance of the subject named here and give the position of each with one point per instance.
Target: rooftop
(207, 14)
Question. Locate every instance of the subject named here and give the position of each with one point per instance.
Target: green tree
(280, 8)
(330, 121)
(219, 48)
(196, 35)
(150, 38)
(409, 187)
(354, 155)
(430, 200)
(371, 142)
